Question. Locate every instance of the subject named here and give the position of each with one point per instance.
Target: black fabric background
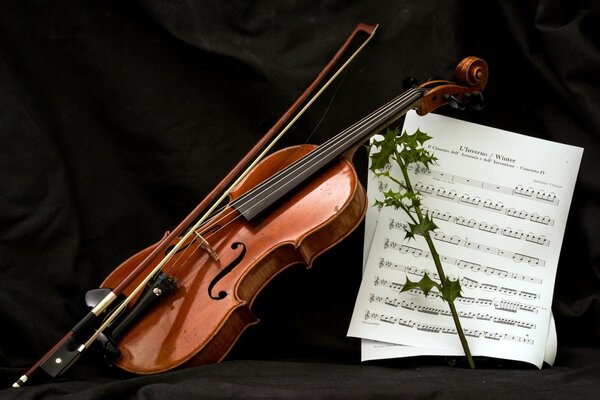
(116, 117)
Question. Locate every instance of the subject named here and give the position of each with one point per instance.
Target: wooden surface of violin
(208, 311)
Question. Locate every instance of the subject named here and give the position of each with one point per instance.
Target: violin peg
(475, 100)
(409, 82)
(454, 102)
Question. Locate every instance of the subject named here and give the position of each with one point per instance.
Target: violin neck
(268, 192)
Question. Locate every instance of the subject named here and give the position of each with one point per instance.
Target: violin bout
(202, 319)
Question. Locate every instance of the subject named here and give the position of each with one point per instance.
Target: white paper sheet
(501, 202)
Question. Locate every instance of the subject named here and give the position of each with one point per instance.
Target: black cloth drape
(116, 117)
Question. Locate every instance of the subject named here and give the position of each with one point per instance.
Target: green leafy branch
(405, 150)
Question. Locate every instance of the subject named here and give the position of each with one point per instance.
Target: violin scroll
(472, 76)
(472, 70)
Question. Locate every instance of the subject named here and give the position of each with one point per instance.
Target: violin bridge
(206, 246)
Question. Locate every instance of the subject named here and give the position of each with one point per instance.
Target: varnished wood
(189, 327)
(473, 71)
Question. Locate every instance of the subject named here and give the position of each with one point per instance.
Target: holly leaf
(387, 148)
(421, 137)
(421, 228)
(425, 284)
(450, 290)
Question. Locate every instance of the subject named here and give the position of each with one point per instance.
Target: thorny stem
(440, 271)
(438, 266)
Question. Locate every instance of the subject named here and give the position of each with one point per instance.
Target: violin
(186, 300)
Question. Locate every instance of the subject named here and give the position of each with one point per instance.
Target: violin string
(175, 261)
(329, 148)
(194, 240)
(289, 174)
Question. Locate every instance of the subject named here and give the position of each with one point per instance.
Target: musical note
(550, 197)
(512, 212)
(469, 223)
(429, 328)
(483, 226)
(473, 300)
(450, 194)
(471, 200)
(545, 220)
(513, 322)
(513, 306)
(537, 239)
(529, 260)
(408, 305)
(495, 206)
(438, 215)
(529, 295)
(429, 310)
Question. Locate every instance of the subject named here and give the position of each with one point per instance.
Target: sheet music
(500, 201)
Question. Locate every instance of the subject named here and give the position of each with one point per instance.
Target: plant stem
(440, 271)
(438, 266)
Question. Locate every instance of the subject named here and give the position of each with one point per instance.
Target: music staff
(434, 328)
(516, 257)
(500, 305)
(487, 205)
(410, 305)
(475, 267)
(465, 283)
(397, 287)
(504, 305)
(473, 284)
(516, 234)
(479, 225)
(519, 190)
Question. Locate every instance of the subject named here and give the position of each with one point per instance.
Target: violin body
(203, 317)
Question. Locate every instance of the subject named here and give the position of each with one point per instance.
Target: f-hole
(222, 294)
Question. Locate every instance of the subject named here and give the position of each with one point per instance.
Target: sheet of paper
(501, 202)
